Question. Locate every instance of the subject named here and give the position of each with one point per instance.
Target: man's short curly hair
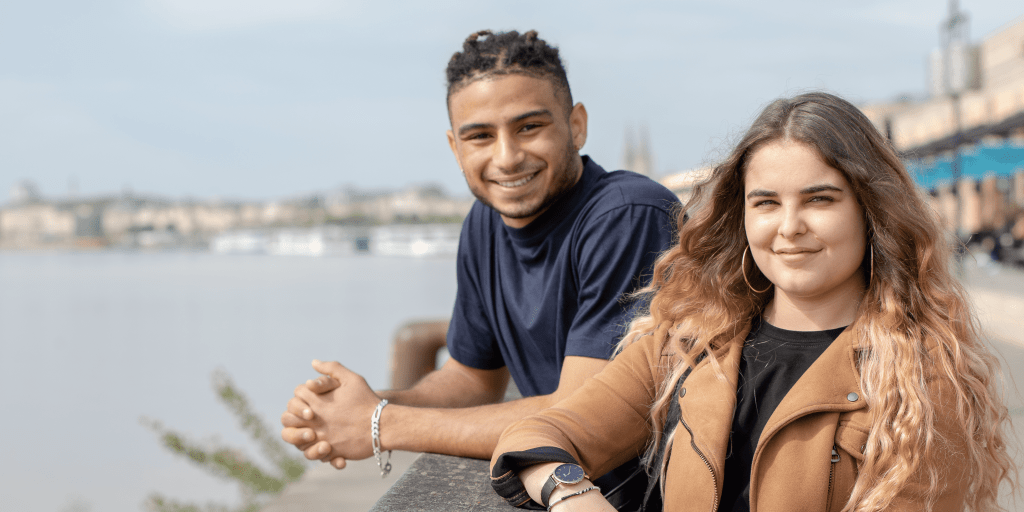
(486, 54)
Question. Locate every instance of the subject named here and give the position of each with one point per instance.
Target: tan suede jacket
(806, 459)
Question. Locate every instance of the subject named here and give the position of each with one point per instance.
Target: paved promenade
(353, 489)
(998, 294)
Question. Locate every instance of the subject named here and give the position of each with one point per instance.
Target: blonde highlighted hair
(914, 323)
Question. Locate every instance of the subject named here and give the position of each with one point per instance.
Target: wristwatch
(564, 474)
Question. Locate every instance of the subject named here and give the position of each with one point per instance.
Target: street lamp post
(954, 38)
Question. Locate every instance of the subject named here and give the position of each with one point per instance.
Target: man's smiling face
(515, 143)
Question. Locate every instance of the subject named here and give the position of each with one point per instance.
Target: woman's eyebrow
(820, 188)
(757, 192)
(813, 189)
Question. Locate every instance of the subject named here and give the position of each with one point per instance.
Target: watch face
(569, 474)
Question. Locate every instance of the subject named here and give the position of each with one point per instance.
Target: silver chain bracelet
(385, 467)
(577, 493)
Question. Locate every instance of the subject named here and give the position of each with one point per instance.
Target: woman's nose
(792, 223)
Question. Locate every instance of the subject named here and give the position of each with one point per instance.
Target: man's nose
(508, 154)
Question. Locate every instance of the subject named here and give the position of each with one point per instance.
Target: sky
(265, 99)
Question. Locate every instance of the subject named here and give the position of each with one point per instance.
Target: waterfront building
(971, 134)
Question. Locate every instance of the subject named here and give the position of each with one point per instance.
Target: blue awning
(975, 163)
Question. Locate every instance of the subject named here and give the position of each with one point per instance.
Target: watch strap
(545, 492)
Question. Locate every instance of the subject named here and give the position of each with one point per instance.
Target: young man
(545, 258)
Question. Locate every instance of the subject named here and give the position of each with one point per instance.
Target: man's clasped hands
(328, 416)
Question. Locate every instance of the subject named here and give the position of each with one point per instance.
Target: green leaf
(226, 462)
(291, 467)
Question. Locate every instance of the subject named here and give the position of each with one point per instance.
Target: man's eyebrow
(532, 113)
(526, 115)
(475, 126)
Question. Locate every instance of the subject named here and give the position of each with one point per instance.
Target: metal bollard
(414, 351)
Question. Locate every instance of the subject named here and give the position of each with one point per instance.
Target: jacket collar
(832, 383)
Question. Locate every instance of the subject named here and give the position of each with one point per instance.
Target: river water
(92, 342)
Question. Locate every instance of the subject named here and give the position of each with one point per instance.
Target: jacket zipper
(831, 478)
(714, 478)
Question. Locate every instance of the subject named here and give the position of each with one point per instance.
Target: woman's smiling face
(804, 225)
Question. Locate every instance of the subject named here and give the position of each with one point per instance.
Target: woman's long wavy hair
(699, 301)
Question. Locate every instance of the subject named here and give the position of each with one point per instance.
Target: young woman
(806, 347)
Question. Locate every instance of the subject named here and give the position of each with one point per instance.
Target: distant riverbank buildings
(135, 221)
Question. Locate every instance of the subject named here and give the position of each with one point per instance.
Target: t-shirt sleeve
(471, 340)
(615, 255)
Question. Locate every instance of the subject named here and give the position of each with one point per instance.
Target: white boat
(244, 241)
(415, 240)
(409, 240)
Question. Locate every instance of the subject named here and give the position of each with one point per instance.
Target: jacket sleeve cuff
(505, 478)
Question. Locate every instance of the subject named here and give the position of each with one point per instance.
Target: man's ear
(578, 124)
(455, 151)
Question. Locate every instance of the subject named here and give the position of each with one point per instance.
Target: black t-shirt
(529, 297)
(773, 360)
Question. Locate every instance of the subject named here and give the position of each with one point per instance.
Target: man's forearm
(419, 397)
(465, 432)
(453, 385)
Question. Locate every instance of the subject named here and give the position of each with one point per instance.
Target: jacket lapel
(832, 383)
(702, 438)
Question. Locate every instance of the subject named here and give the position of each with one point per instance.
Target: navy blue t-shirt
(529, 297)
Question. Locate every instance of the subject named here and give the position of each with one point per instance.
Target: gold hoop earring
(743, 270)
(871, 265)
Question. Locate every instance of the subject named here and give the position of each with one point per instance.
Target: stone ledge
(442, 483)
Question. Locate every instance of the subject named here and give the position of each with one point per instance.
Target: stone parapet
(443, 483)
